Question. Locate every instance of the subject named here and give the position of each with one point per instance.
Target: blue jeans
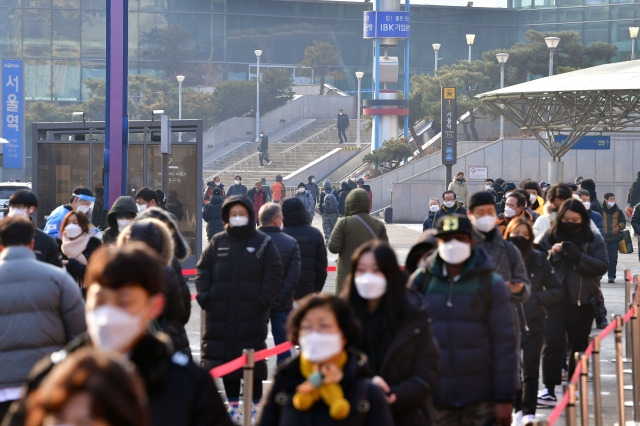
(612, 248)
(278, 322)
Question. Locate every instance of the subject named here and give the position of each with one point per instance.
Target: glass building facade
(62, 42)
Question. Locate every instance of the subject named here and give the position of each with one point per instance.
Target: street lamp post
(470, 40)
(359, 75)
(436, 48)
(258, 54)
(552, 44)
(502, 59)
(180, 79)
(633, 33)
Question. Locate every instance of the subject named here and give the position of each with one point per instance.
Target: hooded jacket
(474, 323)
(313, 271)
(461, 190)
(122, 204)
(312, 187)
(349, 233)
(290, 255)
(342, 197)
(309, 202)
(237, 278)
(212, 214)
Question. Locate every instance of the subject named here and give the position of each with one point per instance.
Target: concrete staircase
(287, 155)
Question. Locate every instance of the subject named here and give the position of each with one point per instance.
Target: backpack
(330, 204)
(277, 191)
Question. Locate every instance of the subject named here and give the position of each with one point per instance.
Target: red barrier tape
(560, 407)
(241, 361)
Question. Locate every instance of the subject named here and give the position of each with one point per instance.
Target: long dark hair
(391, 303)
(556, 233)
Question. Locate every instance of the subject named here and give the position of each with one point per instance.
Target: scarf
(73, 248)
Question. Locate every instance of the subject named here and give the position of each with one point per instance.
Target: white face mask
(509, 212)
(318, 347)
(141, 208)
(454, 252)
(370, 286)
(434, 208)
(72, 230)
(587, 204)
(238, 221)
(13, 211)
(484, 223)
(611, 203)
(532, 198)
(300, 190)
(449, 204)
(237, 182)
(216, 183)
(122, 223)
(83, 208)
(487, 187)
(313, 181)
(113, 328)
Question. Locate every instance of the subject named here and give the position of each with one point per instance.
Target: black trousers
(232, 384)
(342, 133)
(531, 353)
(570, 323)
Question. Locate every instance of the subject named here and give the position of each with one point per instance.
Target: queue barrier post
(619, 370)
(570, 412)
(247, 394)
(583, 360)
(597, 381)
(635, 360)
(627, 302)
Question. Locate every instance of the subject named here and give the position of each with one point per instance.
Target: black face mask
(570, 227)
(523, 244)
(461, 180)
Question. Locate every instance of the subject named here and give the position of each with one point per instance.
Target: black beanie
(480, 199)
(509, 187)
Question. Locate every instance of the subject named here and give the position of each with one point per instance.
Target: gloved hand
(570, 251)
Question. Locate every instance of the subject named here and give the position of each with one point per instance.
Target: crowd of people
(493, 289)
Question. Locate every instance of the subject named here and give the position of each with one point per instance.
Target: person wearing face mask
(488, 183)
(237, 188)
(258, 196)
(81, 200)
(590, 185)
(305, 196)
(124, 296)
(238, 277)
(212, 214)
(613, 221)
(474, 324)
(515, 207)
(121, 214)
(41, 308)
(579, 257)
(313, 188)
(546, 290)
(459, 187)
(23, 203)
(556, 195)
(77, 245)
(449, 206)
(536, 202)
(508, 188)
(145, 198)
(327, 384)
(434, 206)
(271, 223)
(397, 337)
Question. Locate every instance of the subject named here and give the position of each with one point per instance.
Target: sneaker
(262, 167)
(269, 163)
(517, 419)
(528, 419)
(235, 413)
(546, 399)
(254, 413)
(611, 280)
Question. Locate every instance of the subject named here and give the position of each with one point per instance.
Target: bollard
(597, 381)
(247, 394)
(635, 358)
(619, 371)
(627, 301)
(583, 360)
(570, 413)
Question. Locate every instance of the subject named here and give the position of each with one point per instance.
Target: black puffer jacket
(368, 406)
(410, 364)
(212, 214)
(290, 256)
(342, 197)
(122, 204)
(313, 252)
(237, 279)
(179, 392)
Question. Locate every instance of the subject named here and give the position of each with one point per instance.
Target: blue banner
(385, 24)
(588, 142)
(12, 113)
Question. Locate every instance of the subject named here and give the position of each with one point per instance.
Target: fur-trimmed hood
(180, 246)
(154, 233)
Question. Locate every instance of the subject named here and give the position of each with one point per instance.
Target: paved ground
(402, 237)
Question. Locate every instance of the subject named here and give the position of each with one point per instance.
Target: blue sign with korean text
(588, 142)
(12, 113)
(385, 24)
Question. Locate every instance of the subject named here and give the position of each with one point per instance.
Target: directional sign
(588, 142)
(387, 24)
(449, 126)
